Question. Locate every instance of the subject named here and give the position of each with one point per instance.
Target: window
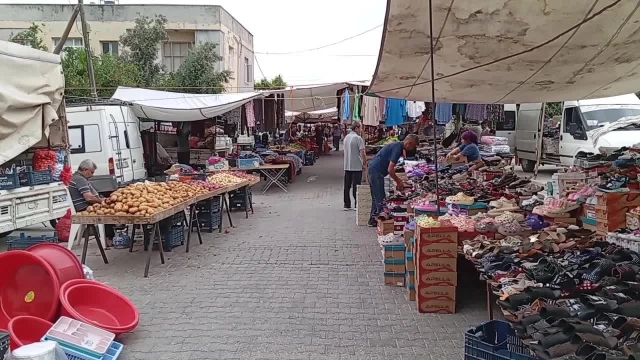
(509, 123)
(173, 54)
(571, 117)
(248, 71)
(231, 56)
(70, 43)
(110, 47)
(84, 139)
(598, 116)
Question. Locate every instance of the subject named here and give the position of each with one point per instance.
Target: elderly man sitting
(83, 193)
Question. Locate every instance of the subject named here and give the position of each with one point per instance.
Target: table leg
(100, 247)
(224, 198)
(489, 307)
(246, 202)
(197, 224)
(133, 236)
(272, 178)
(190, 225)
(85, 246)
(160, 243)
(251, 202)
(149, 251)
(222, 202)
(280, 184)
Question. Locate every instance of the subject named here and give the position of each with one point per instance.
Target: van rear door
(134, 141)
(122, 155)
(507, 128)
(527, 130)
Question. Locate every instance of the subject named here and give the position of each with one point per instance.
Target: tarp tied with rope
(501, 51)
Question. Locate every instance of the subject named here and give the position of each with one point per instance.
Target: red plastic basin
(101, 306)
(25, 330)
(63, 261)
(28, 286)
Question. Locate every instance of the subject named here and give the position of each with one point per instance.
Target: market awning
(171, 106)
(312, 98)
(503, 51)
(325, 115)
(31, 90)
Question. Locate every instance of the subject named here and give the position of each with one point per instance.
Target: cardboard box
(385, 227)
(437, 264)
(393, 267)
(411, 294)
(408, 234)
(433, 278)
(410, 263)
(394, 279)
(435, 306)
(607, 214)
(437, 292)
(395, 252)
(605, 226)
(433, 250)
(440, 235)
(618, 200)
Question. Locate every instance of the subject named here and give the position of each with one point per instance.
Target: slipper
(460, 199)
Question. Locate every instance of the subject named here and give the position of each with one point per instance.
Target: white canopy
(171, 106)
(499, 51)
(31, 90)
(312, 98)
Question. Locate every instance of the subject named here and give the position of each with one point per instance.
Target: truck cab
(586, 127)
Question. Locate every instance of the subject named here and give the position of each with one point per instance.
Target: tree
(142, 46)
(275, 84)
(198, 75)
(30, 37)
(110, 72)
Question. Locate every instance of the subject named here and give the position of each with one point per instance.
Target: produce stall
(148, 204)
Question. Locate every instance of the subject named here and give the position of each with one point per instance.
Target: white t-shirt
(353, 145)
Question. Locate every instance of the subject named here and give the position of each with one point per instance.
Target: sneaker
(347, 208)
(616, 184)
(352, 209)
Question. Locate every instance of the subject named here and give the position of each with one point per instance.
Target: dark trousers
(336, 143)
(376, 183)
(184, 157)
(351, 181)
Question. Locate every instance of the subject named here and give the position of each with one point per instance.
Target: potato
(117, 207)
(120, 213)
(133, 210)
(90, 208)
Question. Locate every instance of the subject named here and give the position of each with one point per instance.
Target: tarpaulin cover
(179, 107)
(502, 51)
(312, 98)
(31, 90)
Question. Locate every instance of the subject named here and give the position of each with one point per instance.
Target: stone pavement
(297, 280)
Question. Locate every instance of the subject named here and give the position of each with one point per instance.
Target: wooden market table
(89, 222)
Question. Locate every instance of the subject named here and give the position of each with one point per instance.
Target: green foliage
(275, 84)
(553, 109)
(142, 46)
(30, 37)
(110, 72)
(197, 73)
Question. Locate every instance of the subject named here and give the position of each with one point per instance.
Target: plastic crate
(112, 353)
(248, 163)
(32, 177)
(4, 343)
(23, 242)
(177, 218)
(210, 205)
(9, 181)
(209, 220)
(174, 236)
(494, 340)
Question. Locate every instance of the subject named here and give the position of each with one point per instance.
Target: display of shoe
(615, 184)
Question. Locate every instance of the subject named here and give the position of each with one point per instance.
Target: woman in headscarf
(469, 148)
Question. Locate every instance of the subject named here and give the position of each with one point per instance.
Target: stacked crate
(210, 212)
(394, 264)
(363, 205)
(435, 256)
(610, 209)
(409, 242)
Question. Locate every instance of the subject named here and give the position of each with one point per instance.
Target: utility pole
(67, 30)
(87, 48)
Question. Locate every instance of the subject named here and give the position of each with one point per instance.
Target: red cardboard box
(435, 306)
(437, 292)
(433, 278)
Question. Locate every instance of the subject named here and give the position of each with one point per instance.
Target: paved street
(297, 280)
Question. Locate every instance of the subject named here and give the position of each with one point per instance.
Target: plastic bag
(88, 273)
(63, 227)
(30, 351)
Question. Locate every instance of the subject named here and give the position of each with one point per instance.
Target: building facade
(186, 26)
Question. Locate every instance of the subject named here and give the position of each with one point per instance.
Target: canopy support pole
(433, 104)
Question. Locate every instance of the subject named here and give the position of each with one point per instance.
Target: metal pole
(433, 103)
(67, 30)
(87, 48)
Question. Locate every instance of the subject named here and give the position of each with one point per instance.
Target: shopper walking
(383, 164)
(355, 160)
(337, 134)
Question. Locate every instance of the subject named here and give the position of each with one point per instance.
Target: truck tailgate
(27, 206)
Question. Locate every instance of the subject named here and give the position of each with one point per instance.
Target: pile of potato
(224, 179)
(146, 199)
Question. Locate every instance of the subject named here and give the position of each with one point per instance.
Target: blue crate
(204, 219)
(248, 163)
(32, 177)
(211, 205)
(114, 351)
(177, 218)
(9, 181)
(23, 242)
(494, 340)
(4, 343)
(173, 237)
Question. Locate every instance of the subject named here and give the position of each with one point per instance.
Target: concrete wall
(108, 22)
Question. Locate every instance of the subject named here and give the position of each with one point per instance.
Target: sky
(294, 25)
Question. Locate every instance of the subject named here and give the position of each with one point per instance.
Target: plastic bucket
(63, 261)
(25, 330)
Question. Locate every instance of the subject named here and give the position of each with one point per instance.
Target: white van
(583, 129)
(507, 128)
(108, 135)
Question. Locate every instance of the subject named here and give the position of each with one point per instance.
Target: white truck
(586, 127)
(31, 117)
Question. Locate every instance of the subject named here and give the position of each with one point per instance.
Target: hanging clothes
(476, 112)
(496, 113)
(251, 117)
(415, 108)
(356, 106)
(346, 110)
(444, 113)
(371, 111)
(395, 112)
(459, 109)
(382, 106)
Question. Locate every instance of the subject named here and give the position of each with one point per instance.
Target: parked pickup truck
(31, 117)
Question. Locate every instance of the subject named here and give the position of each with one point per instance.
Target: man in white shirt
(355, 160)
